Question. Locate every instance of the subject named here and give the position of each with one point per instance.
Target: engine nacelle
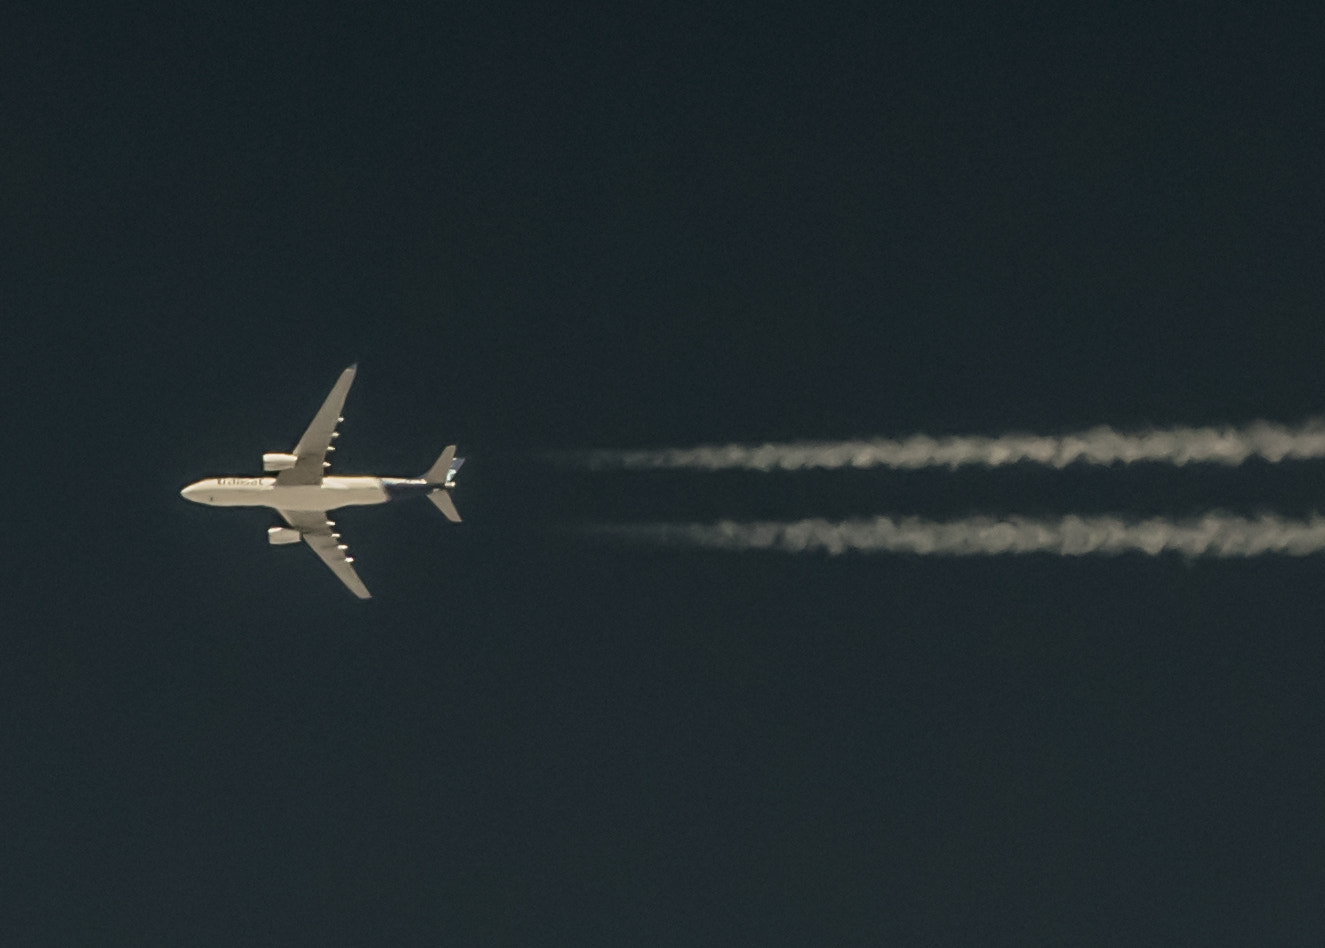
(280, 535)
(278, 462)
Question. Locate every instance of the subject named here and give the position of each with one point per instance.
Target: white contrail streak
(1218, 535)
(1100, 445)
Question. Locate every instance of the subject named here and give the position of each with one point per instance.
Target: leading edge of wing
(317, 533)
(312, 448)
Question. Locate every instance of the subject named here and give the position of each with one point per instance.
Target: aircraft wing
(317, 533)
(313, 446)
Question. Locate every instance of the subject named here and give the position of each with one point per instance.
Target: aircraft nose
(190, 492)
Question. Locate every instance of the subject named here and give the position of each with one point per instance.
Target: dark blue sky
(535, 229)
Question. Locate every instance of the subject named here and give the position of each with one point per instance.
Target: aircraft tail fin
(445, 504)
(441, 477)
(442, 473)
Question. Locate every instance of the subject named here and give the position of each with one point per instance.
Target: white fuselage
(332, 493)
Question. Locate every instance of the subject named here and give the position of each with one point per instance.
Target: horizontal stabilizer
(444, 503)
(437, 473)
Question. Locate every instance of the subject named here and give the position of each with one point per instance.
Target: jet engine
(278, 462)
(280, 535)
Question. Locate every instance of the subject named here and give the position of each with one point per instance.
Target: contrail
(1102, 445)
(1217, 535)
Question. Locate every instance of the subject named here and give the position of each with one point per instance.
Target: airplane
(302, 493)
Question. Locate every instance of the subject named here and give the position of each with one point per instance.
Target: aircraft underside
(302, 493)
